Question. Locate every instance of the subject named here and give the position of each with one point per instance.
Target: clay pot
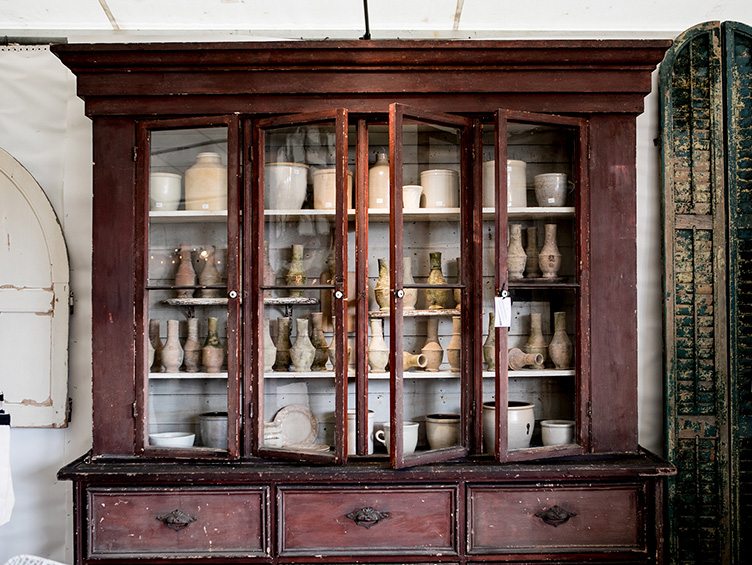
(212, 354)
(551, 189)
(206, 184)
(442, 430)
(156, 343)
(411, 361)
(518, 359)
(381, 291)
(432, 349)
(303, 352)
(489, 346)
(192, 348)
(520, 425)
(549, 258)
(454, 347)
(438, 299)
(560, 348)
(295, 273)
(536, 343)
(319, 342)
(282, 360)
(378, 351)
(378, 182)
(185, 275)
(209, 274)
(172, 353)
(516, 256)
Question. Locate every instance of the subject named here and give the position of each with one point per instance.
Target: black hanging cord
(367, 34)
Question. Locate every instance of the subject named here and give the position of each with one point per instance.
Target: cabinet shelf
(417, 313)
(445, 373)
(273, 301)
(430, 214)
(187, 376)
(187, 216)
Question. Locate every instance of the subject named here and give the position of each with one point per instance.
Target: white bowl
(557, 432)
(285, 185)
(172, 439)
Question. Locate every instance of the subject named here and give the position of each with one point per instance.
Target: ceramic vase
(378, 182)
(185, 275)
(327, 306)
(560, 348)
(209, 274)
(212, 354)
(489, 346)
(156, 343)
(172, 352)
(270, 350)
(518, 359)
(458, 291)
(303, 352)
(319, 342)
(295, 274)
(549, 258)
(516, 256)
(411, 294)
(412, 360)
(206, 184)
(531, 265)
(269, 276)
(282, 359)
(454, 347)
(536, 343)
(378, 351)
(381, 291)
(192, 348)
(432, 349)
(437, 299)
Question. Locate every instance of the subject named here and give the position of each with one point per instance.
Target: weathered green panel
(738, 74)
(695, 261)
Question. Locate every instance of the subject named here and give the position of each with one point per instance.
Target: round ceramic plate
(297, 426)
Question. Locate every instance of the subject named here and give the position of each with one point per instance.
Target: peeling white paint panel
(34, 290)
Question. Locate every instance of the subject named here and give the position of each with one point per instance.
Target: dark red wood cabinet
(365, 301)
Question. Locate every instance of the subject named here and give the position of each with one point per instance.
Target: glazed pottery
(536, 343)
(489, 346)
(285, 185)
(164, 191)
(206, 184)
(531, 265)
(351, 432)
(518, 359)
(192, 348)
(156, 343)
(209, 274)
(549, 258)
(378, 351)
(410, 299)
(454, 347)
(409, 436)
(516, 184)
(438, 299)
(319, 342)
(516, 256)
(411, 196)
(212, 354)
(551, 189)
(560, 347)
(440, 188)
(381, 291)
(172, 353)
(282, 359)
(411, 361)
(557, 432)
(378, 182)
(295, 273)
(520, 425)
(270, 350)
(185, 275)
(213, 428)
(432, 350)
(325, 189)
(442, 430)
(303, 351)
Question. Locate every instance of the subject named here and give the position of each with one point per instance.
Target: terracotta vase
(378, 182)
(213, 353)
(549, 258)
(282, 360)
(156, 343)
(206, 184)
(560, 348)
(516, 256)
(319, 342)
(270, 350)
(531, 266)
(185, 275)
(172, 353)
(269, 276)
(295, 273)
(518, 359)
(412, 360)
(327, 306)
(381, 290)
(489, 346)
(432, 349)
(437, 299)
(454, 347)
(303, 352)
(192, 348)
(536, 343)
(458, 291)
(378, 350)
(209, 274)
(411, 294)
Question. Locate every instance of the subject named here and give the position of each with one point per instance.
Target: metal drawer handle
(555, 516)
(367, 516)
(176, 520)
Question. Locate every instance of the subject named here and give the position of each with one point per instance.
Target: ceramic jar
(209, 274)
(378, 351)
(192, 348)
(156, 343)
(432, 349)
(551, 189)
(531, 265)
(411, 196)
(489, 347)
(549, 258)
(411, 361)
(381, 290)
(206, 184)
(295, 273)
(282, 359)
(518, 359)
(516, 184)
(440, 188)
(303, 352)
(351, 432)
(172, 353)
(325, 189)
(454, 347)
(270, 350)
(520, 425)
(164, 191)
(438, 299)
(319, 342)
(185, 275)
(285, 186)
(212, 354)
(560, 347)
(378, 182)
(213, 428)
(536, 343)
(516, 256)
(442, 430)
(557, 432)
(410, 299)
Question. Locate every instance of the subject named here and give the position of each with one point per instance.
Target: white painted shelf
(187, 216)
(415, 313)
(434, 214)
(187, 376)
(413, 374)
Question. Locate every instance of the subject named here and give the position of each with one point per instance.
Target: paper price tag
(502, 311)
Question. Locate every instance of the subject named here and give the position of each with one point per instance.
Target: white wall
(42, 125)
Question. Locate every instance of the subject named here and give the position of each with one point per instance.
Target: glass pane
(186, 289)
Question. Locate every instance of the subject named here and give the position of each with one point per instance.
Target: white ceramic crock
(440, 188)
(409, 436)
(516, 183)
(206, 184)
(442, 430)
(164, 191)
(557, 432)
(351, 432)
(285, 185)
(325, 189)
(520, 424)
(213, 426)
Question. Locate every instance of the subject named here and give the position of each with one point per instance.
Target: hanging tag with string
(503, 309)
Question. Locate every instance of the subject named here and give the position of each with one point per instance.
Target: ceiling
(317, 19)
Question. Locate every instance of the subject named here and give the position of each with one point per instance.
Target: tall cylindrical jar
(454, 347)
(206, 184)
(172, 353)
(560, 348)
(516, 256)
(192, 348)
(213, 353)
(378, 182)
(549, 258)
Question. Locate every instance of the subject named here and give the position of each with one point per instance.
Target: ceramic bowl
(442, 430)
(411, 196)
(551, 189)
(557, 432)
(172, 439)
(285, 185)
(165, 191)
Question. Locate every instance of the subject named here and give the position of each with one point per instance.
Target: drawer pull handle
(555, 516)
(176, 520)
(367, 516)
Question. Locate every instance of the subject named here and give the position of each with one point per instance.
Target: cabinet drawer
(605, 518)
(199, 521)
(337, 521)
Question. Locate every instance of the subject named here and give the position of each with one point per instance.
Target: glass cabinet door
(299, 202)
(534, 202)
(189, 321)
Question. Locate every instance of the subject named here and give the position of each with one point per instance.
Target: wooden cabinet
(297, 247)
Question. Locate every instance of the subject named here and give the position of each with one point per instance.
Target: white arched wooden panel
(34, 291)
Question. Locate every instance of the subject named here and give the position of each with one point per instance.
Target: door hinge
(71, 303)
(134, 409)
(135, 153)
